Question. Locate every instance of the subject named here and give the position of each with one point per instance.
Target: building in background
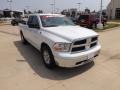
(113, 9)
(6, 13)
(1, 13)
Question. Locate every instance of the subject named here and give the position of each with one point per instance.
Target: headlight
(62, 47)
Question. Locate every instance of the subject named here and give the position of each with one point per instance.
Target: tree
(87, 10)
(35, 11)
(64, 12)
(40, 11)
(25, 12)
(29, 12)
(94, 11)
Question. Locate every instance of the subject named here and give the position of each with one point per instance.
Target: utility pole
(10, 4)
(52, 8)
(79, 6)
(100, 25)
(101, 12)
(54, 5)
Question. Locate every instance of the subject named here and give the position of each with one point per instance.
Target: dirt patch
(110, 56)
(10, 33)
(105, 53)
(117, 56)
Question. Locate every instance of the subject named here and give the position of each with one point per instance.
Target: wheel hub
(46, 56)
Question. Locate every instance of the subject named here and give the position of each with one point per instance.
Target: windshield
(83, 17)
(52, 21)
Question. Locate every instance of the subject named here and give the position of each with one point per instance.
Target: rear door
(27, 29)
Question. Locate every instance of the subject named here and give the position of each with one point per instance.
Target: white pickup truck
(60, 41)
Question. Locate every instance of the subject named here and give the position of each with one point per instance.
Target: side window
(35, 21)
(30, 20)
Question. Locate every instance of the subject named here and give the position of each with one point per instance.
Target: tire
(23, 40)
(13, 24)
(47, 56)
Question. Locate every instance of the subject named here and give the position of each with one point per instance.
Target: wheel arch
(21, 32)
(53, 62)
(44, 44)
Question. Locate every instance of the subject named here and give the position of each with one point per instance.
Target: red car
(89, 20)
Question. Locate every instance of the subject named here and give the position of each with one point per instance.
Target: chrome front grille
(84, 44)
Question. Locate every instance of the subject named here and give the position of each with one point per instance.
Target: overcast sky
(45, 4)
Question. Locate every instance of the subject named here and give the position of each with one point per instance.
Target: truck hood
(71, 32)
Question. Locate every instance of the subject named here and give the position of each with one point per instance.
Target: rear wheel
(13, 24)
(48, 57)
(23, 40)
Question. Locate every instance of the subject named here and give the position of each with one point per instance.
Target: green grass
(115, 20)
(107, 27)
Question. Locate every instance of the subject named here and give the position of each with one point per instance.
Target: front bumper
(76, 59)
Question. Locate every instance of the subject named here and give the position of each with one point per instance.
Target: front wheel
(48, 57)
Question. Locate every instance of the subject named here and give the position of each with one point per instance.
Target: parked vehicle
(16, 21)
(90, 20)
(73, 19)
(60, 41)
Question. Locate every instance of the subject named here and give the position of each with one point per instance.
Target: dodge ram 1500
(59, 40)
